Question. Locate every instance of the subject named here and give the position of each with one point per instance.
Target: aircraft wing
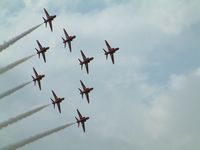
(40, 46)
(107, 44)
(83, 126)
(87, 97)
(69, 44)
(82, 84)
(83, 55)
(66, 34)
(36, 74)
(55, 96)
(112, 57)
(39, 84)
(59, 109)
(87, 67)
(79, 114)
(47, 14)
(50, 24)
(43, 55)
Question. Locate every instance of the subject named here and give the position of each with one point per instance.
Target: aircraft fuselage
(39, 77)
(87, 60)
(70, 38)
(50, 18)
(112, 50)
(58, 100)
(87, 90)
(83, 119)
(43, 50)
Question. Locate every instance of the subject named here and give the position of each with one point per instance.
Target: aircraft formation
(85, 61)
(41, 50)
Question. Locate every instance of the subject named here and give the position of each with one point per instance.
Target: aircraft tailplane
(38, 52)
(106, 53)
(45, 21)
(81, 63)
(34, 80)
(64, 41)
(81, 92)
(77, 121)
(53, 103)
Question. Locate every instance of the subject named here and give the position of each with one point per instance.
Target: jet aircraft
(37, 78)
(86, 61)
(86, 91)
(68, 39)
(110, 51)
(57, 100)
(81, 120)
(49, 19)
(41, 51)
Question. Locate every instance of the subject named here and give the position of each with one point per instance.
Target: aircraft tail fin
(34, 80)
(106, 53)
(81, 63)
(38, 52)
(77, 121)
(53, 103)
(45, 21)
(81, 92)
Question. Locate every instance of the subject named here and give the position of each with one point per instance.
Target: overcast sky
(149, 99)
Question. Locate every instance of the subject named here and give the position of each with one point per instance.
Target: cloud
(137, 102)
(174, 113)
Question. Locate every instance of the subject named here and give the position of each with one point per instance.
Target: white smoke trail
(15, 39)
(22, 116)
(14, 64)
(10, 91)
(35, 138)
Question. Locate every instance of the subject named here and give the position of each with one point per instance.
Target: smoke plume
(15, 39)
(11, 91)
(14, 64)
(21, 116)
(35, 137)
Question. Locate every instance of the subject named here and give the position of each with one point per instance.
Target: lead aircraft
(49, 19)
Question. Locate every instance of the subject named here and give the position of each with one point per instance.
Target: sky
(149, 99)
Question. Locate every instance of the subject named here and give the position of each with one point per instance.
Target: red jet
(86, 61)
(49, 19)
(41, 51)
(37, 78)
(81, 120)
(68, 39)
(57, 100)
(85, 91)
(110, 51)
